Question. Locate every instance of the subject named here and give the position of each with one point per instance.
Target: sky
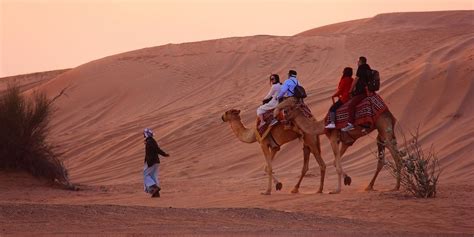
(43, 35)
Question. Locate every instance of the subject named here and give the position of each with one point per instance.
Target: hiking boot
(348, 127)
(331, 126)
(274, 121)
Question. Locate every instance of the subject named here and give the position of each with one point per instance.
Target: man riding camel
(286, 96)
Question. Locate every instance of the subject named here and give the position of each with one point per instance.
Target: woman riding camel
(342, 94)
(270, 101)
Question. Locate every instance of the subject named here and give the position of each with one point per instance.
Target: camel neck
(241, 132)
(310, 125)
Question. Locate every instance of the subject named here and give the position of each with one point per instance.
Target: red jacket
(343, 89)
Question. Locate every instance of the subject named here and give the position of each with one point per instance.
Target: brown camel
(340, 141)
(271, 144)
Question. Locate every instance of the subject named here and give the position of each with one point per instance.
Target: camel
(271, 144)
(339, 142)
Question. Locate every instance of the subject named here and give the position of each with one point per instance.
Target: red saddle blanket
(367, 112)
(268, 117)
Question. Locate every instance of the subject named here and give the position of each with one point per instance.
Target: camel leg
(337, 164)
(316, 150)
(347, 178)
(339, 151)
(268, 168)
(278, 184)
(306, 153)
(380, 162)
(322, 167)
(392, 147)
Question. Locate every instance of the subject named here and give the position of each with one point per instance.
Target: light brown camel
(340, 141)
(271, 144)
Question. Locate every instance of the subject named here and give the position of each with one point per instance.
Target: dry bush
(24, 128)
(420, 169)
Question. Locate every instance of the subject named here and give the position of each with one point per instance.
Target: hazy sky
(41, 35)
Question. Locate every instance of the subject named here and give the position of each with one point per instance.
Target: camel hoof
(278, 186)
(295, 190)
(370, 189)
(266, 193)
(335, 192)
(347, 180)
(319, 191)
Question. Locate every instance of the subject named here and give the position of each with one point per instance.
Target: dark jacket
(363, 74)
(152, 150)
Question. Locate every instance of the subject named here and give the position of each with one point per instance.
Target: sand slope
(181, 91)
(426, 61)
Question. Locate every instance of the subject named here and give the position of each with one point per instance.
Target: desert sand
(212, 182)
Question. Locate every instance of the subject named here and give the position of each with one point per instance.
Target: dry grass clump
(420, 170)
(24, 129)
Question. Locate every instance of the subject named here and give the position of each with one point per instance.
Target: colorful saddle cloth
(367, 112)
(268, 117)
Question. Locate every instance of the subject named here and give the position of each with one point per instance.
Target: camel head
(231, 115)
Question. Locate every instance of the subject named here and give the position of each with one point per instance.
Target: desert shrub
(420, 170)
(23, 132)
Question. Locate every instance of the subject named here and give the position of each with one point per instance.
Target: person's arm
(283, 90)
(353, 84)
(270, 93)
(161, 152)
(339, 89)
(345, 87)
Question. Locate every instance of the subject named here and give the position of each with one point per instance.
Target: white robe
(274, 91)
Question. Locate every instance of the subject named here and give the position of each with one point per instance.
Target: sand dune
(29, 81)
(180, 91)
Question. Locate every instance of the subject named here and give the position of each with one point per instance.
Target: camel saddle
(367, 112)
(268, 117)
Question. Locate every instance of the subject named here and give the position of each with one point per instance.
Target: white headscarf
(147, 133)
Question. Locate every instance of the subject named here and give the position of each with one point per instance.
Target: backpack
(373, 81)
(299, 92)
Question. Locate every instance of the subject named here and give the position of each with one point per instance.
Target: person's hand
(266, 100)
